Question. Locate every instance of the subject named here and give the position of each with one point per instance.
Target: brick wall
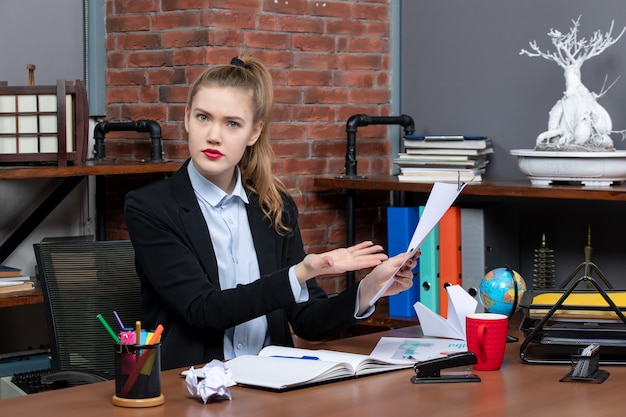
(329, 60)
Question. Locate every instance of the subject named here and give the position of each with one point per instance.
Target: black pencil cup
(138, 376)
(585, 368)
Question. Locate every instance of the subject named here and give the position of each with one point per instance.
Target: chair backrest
(81, 279)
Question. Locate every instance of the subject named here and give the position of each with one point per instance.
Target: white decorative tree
(576, 122)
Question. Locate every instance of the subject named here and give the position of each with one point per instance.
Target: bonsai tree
(577, 122)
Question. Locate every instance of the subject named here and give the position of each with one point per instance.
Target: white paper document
(439, 201)
(417, 349)
(460, 304)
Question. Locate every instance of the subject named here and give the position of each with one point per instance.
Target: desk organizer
(585, 368)
(557, 323)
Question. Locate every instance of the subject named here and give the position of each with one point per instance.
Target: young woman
(218, 247)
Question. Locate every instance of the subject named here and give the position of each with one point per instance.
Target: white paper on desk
(418, 349)
(460, 304)
(441, 197)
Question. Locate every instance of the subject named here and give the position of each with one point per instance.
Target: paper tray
(558, 322)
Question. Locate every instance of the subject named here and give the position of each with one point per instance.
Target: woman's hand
(378, 277)
(337, 261)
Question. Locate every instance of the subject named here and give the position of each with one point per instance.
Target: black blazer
(180, 286)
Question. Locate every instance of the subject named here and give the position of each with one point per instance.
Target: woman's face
(220, 127)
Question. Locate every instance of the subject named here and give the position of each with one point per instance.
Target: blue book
(429, 270)
(401, 223)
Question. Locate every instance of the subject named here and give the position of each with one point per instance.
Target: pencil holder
(585, 368)
(138, 376)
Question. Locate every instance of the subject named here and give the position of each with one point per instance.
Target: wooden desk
(517, 390)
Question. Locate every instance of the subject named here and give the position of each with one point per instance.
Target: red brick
(317, 60)
(250, 5)
(312, 114)
(135, 6)
(341, 9)
(122, 95)
(266, 40)
(370, 11)
(309, 77)
(173, 94)
(127, 23)
(291, 7)
(141, 41)
(149, 112)
(230, 19)
(367, 95)
(369, 45)
(313, 43)
(325, 95)
(150, 59)
(166, 76)
(225, 37)
(185, 4)
(295, 150)
(300, 24)
(185, 39)
(126, 77)
(343, 27)
(175, 20)
(185, 57)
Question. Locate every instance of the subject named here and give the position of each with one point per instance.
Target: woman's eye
(201, 117)
(233, 124)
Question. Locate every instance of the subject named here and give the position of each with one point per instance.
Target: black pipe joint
(143, 126)
(364, 120)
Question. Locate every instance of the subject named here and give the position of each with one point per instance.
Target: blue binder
(429, 270)
(401, 223)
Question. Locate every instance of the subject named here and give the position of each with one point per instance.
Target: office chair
(79, 280)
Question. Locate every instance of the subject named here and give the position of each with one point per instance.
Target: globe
(497, 290)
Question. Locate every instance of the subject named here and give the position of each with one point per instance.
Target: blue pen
(312, 358)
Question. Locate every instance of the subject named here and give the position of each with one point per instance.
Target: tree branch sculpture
(577, 122)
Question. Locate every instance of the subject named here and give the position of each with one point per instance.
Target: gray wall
(47, 33)
(461, 71)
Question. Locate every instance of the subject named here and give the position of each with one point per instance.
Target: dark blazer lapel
(193, 223)
(264, 242)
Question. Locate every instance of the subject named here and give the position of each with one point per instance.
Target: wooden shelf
(509, 188)
(20, 298)
(106, 167)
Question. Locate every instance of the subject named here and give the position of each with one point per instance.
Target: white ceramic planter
(588, 168)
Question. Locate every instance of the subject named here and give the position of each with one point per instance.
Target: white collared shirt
(237, 260)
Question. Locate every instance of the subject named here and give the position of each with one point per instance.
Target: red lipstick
(212, 153)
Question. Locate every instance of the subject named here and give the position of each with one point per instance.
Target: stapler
(429, 371)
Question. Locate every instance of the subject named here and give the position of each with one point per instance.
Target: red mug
(486, 335)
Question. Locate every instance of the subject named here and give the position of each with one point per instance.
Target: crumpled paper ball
(211, 382)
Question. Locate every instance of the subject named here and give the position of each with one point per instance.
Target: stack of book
(444, 158)
(12, 280)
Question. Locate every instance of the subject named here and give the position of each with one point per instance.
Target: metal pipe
(150, 126)
(364, 120)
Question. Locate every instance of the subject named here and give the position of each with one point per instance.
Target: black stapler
(429, 371)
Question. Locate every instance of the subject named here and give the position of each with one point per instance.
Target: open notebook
(281, 368)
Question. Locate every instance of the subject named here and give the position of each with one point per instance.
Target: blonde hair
(248, 73)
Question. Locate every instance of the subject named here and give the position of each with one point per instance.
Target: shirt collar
(211, 192)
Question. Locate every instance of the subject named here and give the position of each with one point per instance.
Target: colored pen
(108, 328)
(138, 332)
(119, 321)
(311, 358)
(141, 362)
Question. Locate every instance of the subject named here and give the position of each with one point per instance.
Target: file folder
(429, 270)
(401, 222)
